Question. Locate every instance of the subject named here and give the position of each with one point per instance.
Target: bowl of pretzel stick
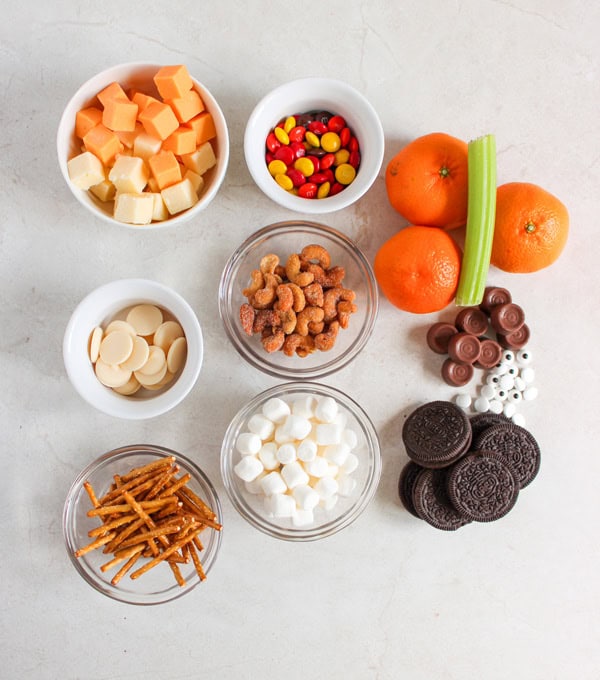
(142, 524)
(298, 300)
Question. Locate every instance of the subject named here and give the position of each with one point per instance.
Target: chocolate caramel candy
(464, 348)
(516, 340)
(455, 374)
(492, 296)
(472, 320)
(507, 318)
(438, 336)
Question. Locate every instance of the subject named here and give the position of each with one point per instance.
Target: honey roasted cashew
(302, 345)
(299, 297)
(326, 340)
(258, 282)
(288, 321)
(247, 315)
(316, 253)
(269, 263)
(327, 278)
(294, 273)
(306, 316)
(313, 294)
(265, 297)
(332, 297)
(273, 342)
(265, 318)
(344, 310)
(285, 298)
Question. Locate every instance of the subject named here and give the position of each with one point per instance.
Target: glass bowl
(310, 94)
(248, 498)
(103, 305)
(283, 239)
(138, 75)
(158, 584)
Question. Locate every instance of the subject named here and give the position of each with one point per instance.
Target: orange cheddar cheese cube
(159, 120)
(142, 100)
(182, 141)
(173, 82)
(112, 91)
(103, 143)
(204, 127)
(188, 106)
(120, 114)
(165, 169)
(86, 119)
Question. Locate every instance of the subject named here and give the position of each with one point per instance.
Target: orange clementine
(531, 228)
(417, 269)
(426, 181)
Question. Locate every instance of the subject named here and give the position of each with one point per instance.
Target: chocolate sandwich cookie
(436, 434)
(432, 504)
(406, 484)
(482, 486)
(481, 422)
(516, 445)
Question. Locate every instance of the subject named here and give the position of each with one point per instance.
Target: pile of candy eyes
(313, 154)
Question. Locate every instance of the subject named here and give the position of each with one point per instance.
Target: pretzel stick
(196, 561)
(130, 484)
(124, 533)
(162, 481)
(113, 524)
(153, 533)
(94, 544)
(136, 472)
(197, 502)
(144, 505)
(120, 556)
(163, 556)
(91, 493)
(170, 490)
(177, 573)
(125, 568)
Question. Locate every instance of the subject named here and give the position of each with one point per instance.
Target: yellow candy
(290, 122)
(282, 135)
(341, 156)
(284, 182)
(312, 139)
(323, 190)
(305, 166)
(277, 167)
(331, 142)
(345, 173)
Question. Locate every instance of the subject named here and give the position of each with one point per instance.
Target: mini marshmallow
(282, 436)
(328, 433)
(248, 468)
(302, 518)
(275, 409)
(307, 450)
(317, 467)
(283, 505)
(248, 443)
(297, 427)
(286, 453)
(337, 453)
(261, 426)
(350, 438)
(341, 419)
(304, 406)
(272, 484)
(306, 497)
(253, 487)
(268, 456)
(329, 503)
(332, 470)
(326, 409)
(294, 474)
(346, 485)
(350, 464)
(326, 487)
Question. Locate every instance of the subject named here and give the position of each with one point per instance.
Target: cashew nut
(273, 342)
(326, 340)
(316, 253)
(307, 315)
(294, 273)
(247, 315)
(257, 282)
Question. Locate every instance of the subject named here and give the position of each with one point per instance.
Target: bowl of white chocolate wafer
(133, 348)
(301, 461)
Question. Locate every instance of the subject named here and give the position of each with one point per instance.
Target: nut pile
(298, 307)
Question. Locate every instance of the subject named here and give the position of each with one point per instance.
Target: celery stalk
(481, 214)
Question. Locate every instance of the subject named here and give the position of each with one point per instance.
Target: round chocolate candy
(438, 336)
(490, 353)
(455, 374)
(472, 320)
(432, 504)
(436, 434)
(492, 296)
(464, 348)
(507, 318)
(483, 486)
(406, 484)
(516, 339)
(516, 445)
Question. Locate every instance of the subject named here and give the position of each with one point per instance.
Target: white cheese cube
(134, 208)
(146, 145)
(160, 211)
(195, 179)
(200, 160)
(85, 170)
(180, 196)
(129, 174)
(105, 190)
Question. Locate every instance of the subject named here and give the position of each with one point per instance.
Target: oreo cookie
(432, 504)
(516, 445)
(406, 484)
(481, 422)
(482, 486)
(436, 434)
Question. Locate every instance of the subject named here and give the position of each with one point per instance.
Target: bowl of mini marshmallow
(301, 461)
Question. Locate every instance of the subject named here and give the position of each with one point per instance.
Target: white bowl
(137, 75)
(98, 308)
(308, 94)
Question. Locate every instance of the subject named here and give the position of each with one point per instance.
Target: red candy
(306, 178)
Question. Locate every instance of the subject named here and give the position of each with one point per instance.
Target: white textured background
(389, 597)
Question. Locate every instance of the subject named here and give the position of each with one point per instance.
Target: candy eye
(508, 357)
(524, 357)
(514, 396)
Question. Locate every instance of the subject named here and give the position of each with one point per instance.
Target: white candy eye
(508, 357)
(524, 357)
(501, 394)
(514, 396)
(492, 379)
(513, 371)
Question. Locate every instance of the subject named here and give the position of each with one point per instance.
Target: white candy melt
(261, 426)
(275, 409)
(248, 443)
(306, 497)
(268, 456)
(326, 410)
(294, 475)
(273, 484)
(249, 468)
(286, 453)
